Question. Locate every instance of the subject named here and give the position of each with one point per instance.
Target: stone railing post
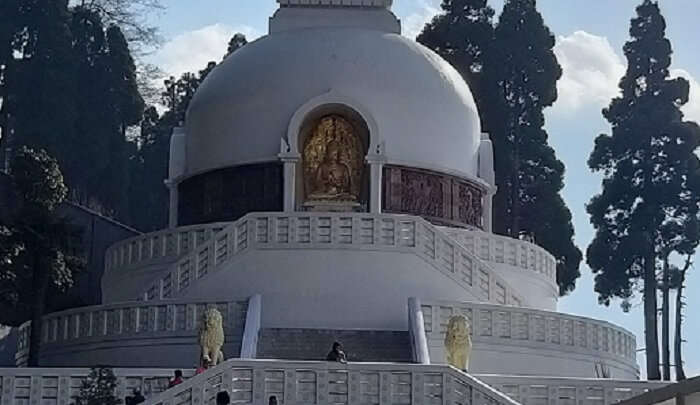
(249, 345)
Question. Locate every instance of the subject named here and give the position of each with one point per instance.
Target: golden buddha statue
(333, 180)
(332, 161)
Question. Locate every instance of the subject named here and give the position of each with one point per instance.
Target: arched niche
(332, 134)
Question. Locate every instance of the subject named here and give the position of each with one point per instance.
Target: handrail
(167, 244)
(303, 382)
(416, 329)
(506, 250)
(525, 325)
(132, 319)
(337, 231)
(249, 344)
(580, 391)
(62, 385)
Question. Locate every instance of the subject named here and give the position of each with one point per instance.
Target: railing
(337, 231)
(520, 326)
(137, 319)
(254, 382)
(62, 385)
(166, 245)
(574, 391)
(505, 250)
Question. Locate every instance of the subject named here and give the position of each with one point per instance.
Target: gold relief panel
(438, 197)
(333, 161)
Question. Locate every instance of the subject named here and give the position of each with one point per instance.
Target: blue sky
(590, 35)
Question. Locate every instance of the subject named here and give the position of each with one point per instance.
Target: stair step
(314, 344)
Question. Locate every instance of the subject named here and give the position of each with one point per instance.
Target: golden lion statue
(458, 343)
(211, 338)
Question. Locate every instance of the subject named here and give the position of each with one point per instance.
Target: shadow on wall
(8, 346)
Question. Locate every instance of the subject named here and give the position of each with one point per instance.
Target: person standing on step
(222, 398)
(337, 354)
(176, 380)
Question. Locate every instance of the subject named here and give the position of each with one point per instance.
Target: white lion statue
(211, 338)
(458, 343)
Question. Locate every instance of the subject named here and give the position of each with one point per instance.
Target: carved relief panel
(434, 196)
(333, 161)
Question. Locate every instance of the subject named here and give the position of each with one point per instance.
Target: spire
(363, 14)
(335, 3)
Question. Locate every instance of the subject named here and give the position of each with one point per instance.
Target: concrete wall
(340, 289)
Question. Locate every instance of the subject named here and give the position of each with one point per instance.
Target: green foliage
(150, 163)
(237, 41)
(648, 208)
(40, 251)
(463, 35)
(99, 388)
(512, 71)
(68, 85)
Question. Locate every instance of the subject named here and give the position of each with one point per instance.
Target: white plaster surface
(341, 289)
(423, 108)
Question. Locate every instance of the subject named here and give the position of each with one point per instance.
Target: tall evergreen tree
(520, 82)
(41, 251)
(41, 92)
(149, 165)
(463, 35)
(651, 189)
(236, 42)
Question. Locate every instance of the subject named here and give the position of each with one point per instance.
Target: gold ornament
(333, 161)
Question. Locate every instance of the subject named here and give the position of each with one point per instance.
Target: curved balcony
(342, 232)
(108, 334)
(164, 246)
(509, 251)
(533, 342)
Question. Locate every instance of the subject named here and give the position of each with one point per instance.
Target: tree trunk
(665, 323)
(651, 334)
(678, 338)
(41, 278)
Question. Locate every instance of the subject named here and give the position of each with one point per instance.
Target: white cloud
(412, 24)
(191, 51)
(591, 71)
(692, 108)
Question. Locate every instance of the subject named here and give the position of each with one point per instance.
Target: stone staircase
(314, 344)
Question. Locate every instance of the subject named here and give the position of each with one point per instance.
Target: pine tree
(463, 35)
(41, 92)
(236, 42)
(648, 208)
(521, 72)
(149, 166)
(99, 388)
(42, 251)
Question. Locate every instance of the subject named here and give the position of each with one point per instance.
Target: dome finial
(336, 3)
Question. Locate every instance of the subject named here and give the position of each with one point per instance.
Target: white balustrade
(254, 382)
(564, 391)
(523, 326)
(162, 246)
(129, 320)
(337, 231)
(505, 250)
(61, 386)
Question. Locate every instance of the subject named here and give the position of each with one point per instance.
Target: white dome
(422, 109)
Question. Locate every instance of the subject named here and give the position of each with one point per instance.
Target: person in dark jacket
(337, 354)
(176, 380)
(222, 398)
(135, 399)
